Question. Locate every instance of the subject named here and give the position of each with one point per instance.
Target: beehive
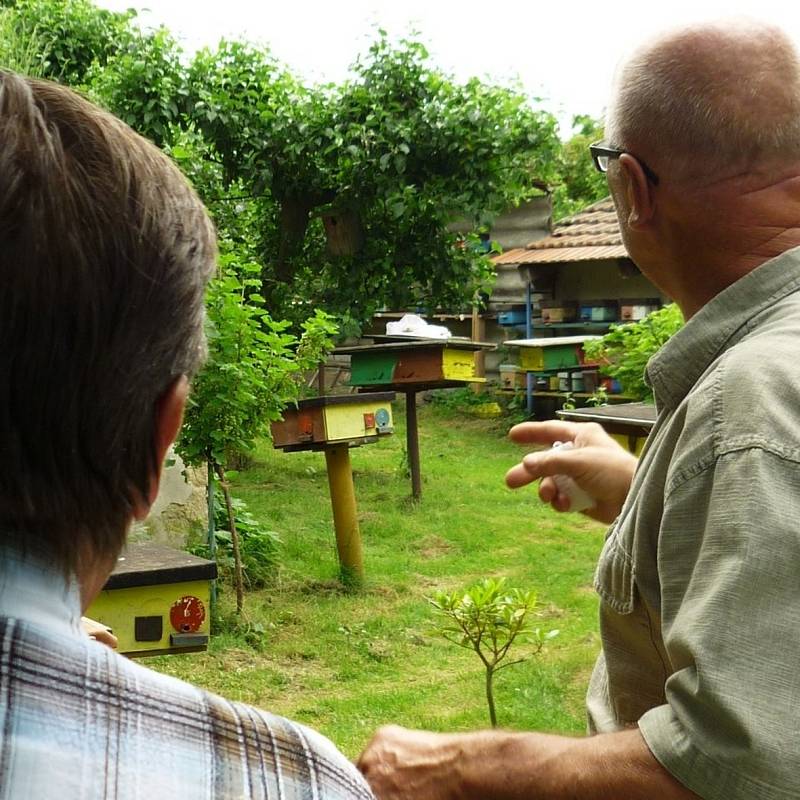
(412, 364)
(550, 353)
(156, 601)
(627, 423)
(320, 421)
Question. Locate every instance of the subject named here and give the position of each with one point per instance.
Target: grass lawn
(348, 663)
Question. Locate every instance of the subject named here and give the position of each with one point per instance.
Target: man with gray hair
(695, 693)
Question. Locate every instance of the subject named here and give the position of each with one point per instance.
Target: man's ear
(169, 417)
(639, 191)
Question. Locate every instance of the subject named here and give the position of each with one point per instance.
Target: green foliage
(599, 398)
(626, 349)
(254, 367)
(259, 546)
(238, 217)
(396, 153)
(20, 49)
(390, 157)
(71, 36)
(144, 84)
(461, 400)
(253, 371)
(486, 404)
(488, 618)
(580, 183)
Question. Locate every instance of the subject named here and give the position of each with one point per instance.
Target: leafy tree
(252, 373)
(625, 350)
(71, 35)
(390, 156)
(488, 618)
(144, 84)
(580, 183)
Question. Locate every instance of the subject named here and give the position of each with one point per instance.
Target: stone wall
(180, 511)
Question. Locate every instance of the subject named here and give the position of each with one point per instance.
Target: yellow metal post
(345, 514)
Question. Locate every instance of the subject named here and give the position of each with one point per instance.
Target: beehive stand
(334, 424)
(410, 366)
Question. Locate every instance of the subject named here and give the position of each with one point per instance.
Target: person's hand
(597, 463)
(99, 632)
(403, 764)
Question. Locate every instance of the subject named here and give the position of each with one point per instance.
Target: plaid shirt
(79, 721)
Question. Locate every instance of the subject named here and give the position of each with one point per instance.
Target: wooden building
(582, 259)
(580, 280)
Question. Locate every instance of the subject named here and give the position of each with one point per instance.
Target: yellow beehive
(319, 421)
(157, 601)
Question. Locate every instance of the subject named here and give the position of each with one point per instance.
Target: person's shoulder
(303, 756)
(767, 356)
(755, 390)
(276, 752)
(156, 720)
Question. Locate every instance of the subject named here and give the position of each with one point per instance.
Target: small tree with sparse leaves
(254, 370)
(488, 618)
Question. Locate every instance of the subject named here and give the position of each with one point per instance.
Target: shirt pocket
(614, 578)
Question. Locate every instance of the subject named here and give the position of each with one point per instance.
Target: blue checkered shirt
(80, 721)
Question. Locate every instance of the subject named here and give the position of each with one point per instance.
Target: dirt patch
(433, 546)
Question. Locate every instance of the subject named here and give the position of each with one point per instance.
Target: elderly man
(697, 689)
(104, 254)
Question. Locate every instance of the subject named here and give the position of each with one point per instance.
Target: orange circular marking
(187, 614)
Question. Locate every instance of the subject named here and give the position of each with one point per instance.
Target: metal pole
(529, 335)
(345, 514)
(412, 444)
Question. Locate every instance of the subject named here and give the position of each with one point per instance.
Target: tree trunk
(237, 556)
(344, 232)
(490, 695)
(212, 536)
(294, 219)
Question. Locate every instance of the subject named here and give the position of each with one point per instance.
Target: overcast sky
(563, 52)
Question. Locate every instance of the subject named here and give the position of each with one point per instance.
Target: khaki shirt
(699, 577)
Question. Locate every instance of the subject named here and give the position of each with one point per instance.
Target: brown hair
(104, 254)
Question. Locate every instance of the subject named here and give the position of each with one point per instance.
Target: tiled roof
(591, 235)
(560, 254)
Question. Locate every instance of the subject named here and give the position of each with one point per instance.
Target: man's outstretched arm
(402, 764)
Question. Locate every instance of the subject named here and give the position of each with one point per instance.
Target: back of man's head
(104, 254)
(711, 101)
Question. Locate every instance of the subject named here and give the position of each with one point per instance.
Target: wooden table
(628, 423)
(411, 365)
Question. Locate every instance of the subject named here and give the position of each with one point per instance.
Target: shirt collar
(678, 365)
(34, 590)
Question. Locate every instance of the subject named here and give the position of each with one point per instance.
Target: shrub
(625, 350)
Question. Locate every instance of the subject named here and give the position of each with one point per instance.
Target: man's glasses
(602, 154)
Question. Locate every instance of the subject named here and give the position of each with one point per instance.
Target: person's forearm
(509, 766)
(402, 764)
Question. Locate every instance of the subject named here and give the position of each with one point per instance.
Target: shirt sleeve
(729, 569)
